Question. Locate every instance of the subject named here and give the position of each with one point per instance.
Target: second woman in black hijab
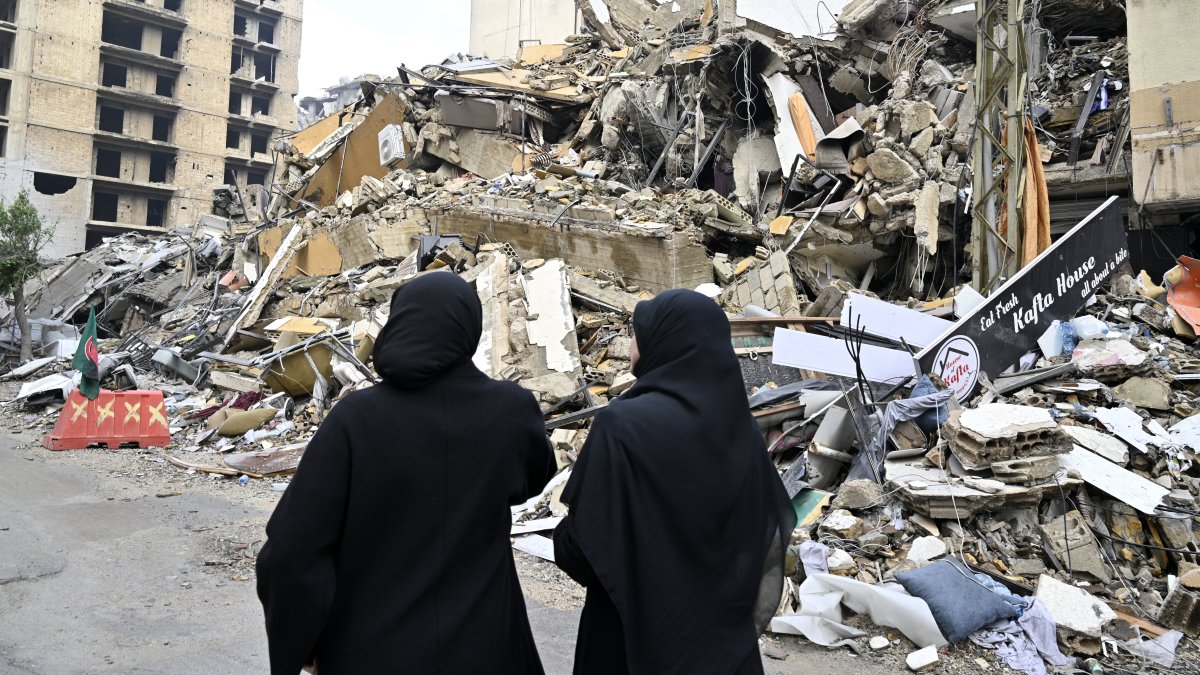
(389, 552)
(678, 521)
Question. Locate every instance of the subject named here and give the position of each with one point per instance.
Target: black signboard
(1055, 286)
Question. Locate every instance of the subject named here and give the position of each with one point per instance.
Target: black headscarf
(675, 502)
(435, 324)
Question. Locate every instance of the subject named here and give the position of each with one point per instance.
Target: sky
(346, 38)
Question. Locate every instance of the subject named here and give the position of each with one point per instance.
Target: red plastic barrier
(114, 419)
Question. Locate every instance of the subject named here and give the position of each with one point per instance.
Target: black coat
(678, 522)
(390, 551)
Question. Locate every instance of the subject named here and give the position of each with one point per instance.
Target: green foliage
(22, 236)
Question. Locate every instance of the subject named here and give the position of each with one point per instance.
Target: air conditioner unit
(391, 145)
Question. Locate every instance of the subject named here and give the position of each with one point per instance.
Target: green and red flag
(87, 359)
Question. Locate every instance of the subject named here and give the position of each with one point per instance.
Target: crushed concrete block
(723, 268)
(840, 560)
(1075, 546)
(922, 659)
(1074, 609)
(1026, 567)
(889, 167)
(1000, 431)
(1025, 469)
(552, 387)
(859, 13)
(916, 116)
(843, 523)
(1110, 360)
(858, 494)
(1146, 392)
(1191, 578)
(924, 549)
(934, 74)
(925, 224)
(922, 142)
(879, 642)
(621, 384)
(845, 80)
(873, 540)
(877, 206)
(1181, 611)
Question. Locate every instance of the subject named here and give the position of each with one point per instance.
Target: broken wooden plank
(266, 463)
(203, 468)
(267, 282)
(1077, 134)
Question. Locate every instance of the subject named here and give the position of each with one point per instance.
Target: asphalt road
(101, 573)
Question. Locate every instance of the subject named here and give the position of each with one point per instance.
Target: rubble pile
(814, 182)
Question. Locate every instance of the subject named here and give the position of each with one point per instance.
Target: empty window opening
(6, 49)
(112, 119)
(115, 76)
(266, 32)
(3, 141)
(156, 212)
(52, 183)
(235, 103)
(162, 127)
(261, 105)
(173, 5)
(108, 163)
(165, 85)
(5, 94)
(258, 144)
(256, 177)
(241, 25)
(162, 165)
(121, 32)
(170, 44)
(264, 67)
(8, 11)
(236, 61)
(233, 138)
(104, 207)
(230, 176)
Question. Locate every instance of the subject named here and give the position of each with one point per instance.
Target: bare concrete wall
(656, 262)
(498, 26)
(1163, 76)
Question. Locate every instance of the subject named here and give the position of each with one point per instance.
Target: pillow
(959, 603)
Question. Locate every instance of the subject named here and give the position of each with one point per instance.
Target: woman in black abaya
(678, 521)
(389, 552)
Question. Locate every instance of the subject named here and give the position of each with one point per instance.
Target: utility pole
(998, 168)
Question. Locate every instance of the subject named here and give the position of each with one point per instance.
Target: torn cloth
(1024, 643)
(815, 558)
(820, 617)
(869, 464)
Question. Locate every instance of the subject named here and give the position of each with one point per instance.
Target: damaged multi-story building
(122, 115)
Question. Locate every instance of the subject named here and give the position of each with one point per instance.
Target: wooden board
(513, 80)
(266, 463)
(358, 155)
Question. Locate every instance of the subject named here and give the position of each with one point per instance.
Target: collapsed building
(808, 167)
